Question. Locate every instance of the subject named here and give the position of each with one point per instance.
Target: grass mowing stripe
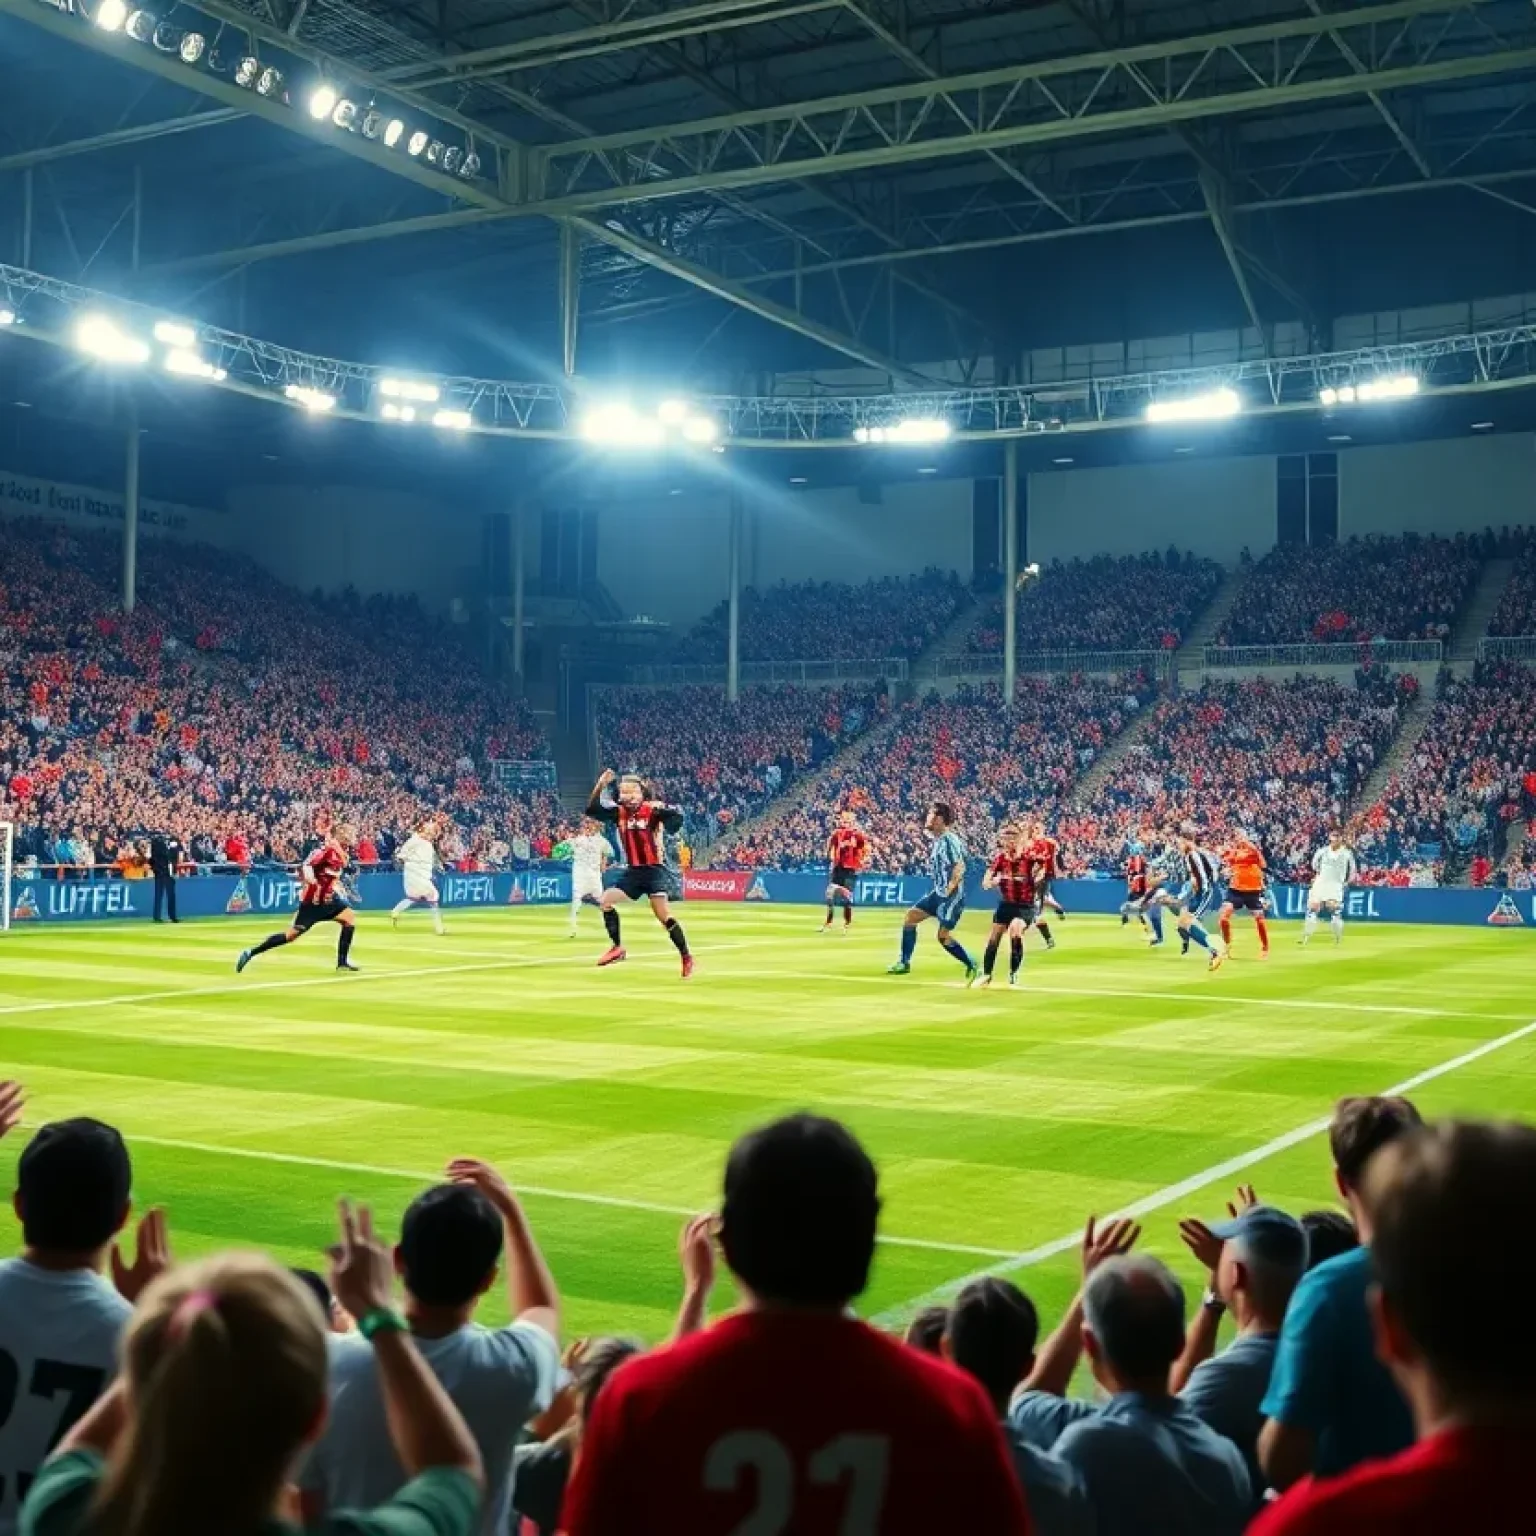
(1217, 1172)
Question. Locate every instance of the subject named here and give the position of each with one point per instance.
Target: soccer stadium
(768, 766)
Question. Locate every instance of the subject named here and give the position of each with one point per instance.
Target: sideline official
(165, 855)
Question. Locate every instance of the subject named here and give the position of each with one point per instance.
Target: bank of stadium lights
(102, 337)
(8, 317)
(1214, 405)
(618, 424)
(915, 430)
(313, 400)
(1397, 386)
(419, 390)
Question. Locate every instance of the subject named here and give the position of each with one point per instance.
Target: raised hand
(362, 1267)
(151, 1258)
(1201, 1242)
(481, 1176)
(696, 1249)
(13, 1100)
(1110, 1241)
(1246, 1199)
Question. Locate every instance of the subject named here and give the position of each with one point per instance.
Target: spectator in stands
(1255, 1261)
(225, 1381)
(1148, 1461)
(60, 1320)
(451, 1240)
(1331, 1403)
(765, 1400)
(926, 1331)
(1329, 1234)
(1443, 1242)
(990, 1334)
(1516, 613)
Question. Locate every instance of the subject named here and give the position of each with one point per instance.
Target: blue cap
(1269, 1234)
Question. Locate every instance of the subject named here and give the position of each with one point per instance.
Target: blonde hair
(225, 1367)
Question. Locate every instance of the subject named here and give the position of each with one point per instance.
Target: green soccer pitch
(1112, 1078)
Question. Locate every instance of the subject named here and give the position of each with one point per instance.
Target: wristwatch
(1211, 1301)
(381, 1320)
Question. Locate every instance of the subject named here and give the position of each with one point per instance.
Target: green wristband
(381, 1320)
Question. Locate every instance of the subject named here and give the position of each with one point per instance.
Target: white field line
(1215, 1174)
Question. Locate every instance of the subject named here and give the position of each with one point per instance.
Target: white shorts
(1325, 896)
(417, 889)
(584, 885)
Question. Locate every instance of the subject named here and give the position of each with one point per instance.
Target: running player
(418, 862)
(945, 903)
(1196, 898)
(591, 853)
(323, 899)
(1046, 853)
(1011, 875)
(1245, 889)
(641, 822)
(847, 849)
(1334, 870)
(1137, 877)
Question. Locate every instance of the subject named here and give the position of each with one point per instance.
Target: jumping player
(641, 822)
(847, 849)
(1046, 853)
(418, 862)
(323, 900)
(1011, 875)
(1245, 890)
(1196, 898)
(591, 854)
(1334, 870)
(945, 903)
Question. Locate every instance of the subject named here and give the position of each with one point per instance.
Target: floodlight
(322, 102)
(270, 82)
(453, 159)
(393, 412)
(618, 425)
(418, 142)
(373, 123)
(392, 132)
(7, 317)
(140, 26)
(103, 338)
(700, 429)
(1215, 405)
(246, 72)
(315, 400)
(345, 115)
(172, 333)
(672, 413)
(191, 366)
(435, 152)
(167, 38)
(409, 389)
(471, 167)
(110, 15)
(1328, 396)
(1396, 386)
(915, 429)
(193, 46)
(458, 421)
(1347, 394)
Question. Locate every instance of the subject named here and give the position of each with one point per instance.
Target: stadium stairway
(951, 640)
(1475, 617)
(1099, 770)
(1190, 656)
(573, 767)
(1415, 721)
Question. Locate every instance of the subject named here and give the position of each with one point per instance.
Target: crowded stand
(232, 710)
(1516, 613)
(823, 620)
(965, 750)
(1407, 588)
(1109, 603)
(1280, 761)
(723, 762)
(1470, 777)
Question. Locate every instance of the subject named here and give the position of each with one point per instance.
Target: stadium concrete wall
(1457, 485)
(80, 506)
(1215, 507)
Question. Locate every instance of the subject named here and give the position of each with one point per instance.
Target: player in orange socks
(1245, 889)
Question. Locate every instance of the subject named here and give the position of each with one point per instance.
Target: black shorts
(1012, 912)
(1245, 901)
(641, 880)
(844, 876)
(312, 912)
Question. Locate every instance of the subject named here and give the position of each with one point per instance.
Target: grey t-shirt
(1058, 1502)
(1227, 1392)
(498, 1379)
(60, 1330)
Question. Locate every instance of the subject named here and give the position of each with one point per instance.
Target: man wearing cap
(1256, 1260)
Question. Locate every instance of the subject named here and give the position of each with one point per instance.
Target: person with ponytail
(222, 1389)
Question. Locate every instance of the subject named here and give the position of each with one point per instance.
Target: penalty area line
(1162, 1198)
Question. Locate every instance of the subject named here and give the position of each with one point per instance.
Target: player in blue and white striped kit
(946, 901)
(1199, 895)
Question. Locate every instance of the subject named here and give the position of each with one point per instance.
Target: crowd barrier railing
(1507, 648)
(1349, 653)
(850, 669)
(990, 663)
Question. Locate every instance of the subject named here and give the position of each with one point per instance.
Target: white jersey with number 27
(1333, 869)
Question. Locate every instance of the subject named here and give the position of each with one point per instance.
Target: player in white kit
(1334, 870)
(591, 854)
(417, 857)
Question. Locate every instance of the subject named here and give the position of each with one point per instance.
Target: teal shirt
(443, 1502)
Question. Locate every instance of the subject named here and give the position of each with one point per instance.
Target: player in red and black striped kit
(847, 850)
(640, 821)
(322, 899)
(1046, 852)
(1012, 875)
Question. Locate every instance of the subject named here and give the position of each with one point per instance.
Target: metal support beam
(130, 581)
(519, 583)
(188, 122)
(1010, 570)
(1214, 193)
(570, 294)
(733, 600)
(28, 206)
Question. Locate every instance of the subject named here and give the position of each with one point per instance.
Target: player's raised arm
(671, 817)
(598, 808)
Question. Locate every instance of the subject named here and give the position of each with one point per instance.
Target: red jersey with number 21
(792, 1426)
(849, 846)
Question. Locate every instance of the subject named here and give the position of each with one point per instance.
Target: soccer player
(1011, 875)
(591, 854)
(641, 823)
(945, 903)
(417, 857)
(1138, 875)
(1046, 852)
(1245, 889)
(1196, 898)
(1334, 870)
(323, 900)
(847, 849)
(791, 1415)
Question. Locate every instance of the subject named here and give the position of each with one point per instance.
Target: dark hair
(927, 1329)
(450, 1242)
(993, 1329)
(1329, 1234)
(602, 1358)
(312, 1282)
(1449, 1240)
(800, 1210)
(1135, 1308)
(1362, 1127)
(74, 1179)
(943, 809)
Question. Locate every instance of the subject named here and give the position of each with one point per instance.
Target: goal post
(7, 850)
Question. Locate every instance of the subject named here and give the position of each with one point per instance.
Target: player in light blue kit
(946, 901)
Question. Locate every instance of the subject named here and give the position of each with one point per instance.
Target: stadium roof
(741, 186)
